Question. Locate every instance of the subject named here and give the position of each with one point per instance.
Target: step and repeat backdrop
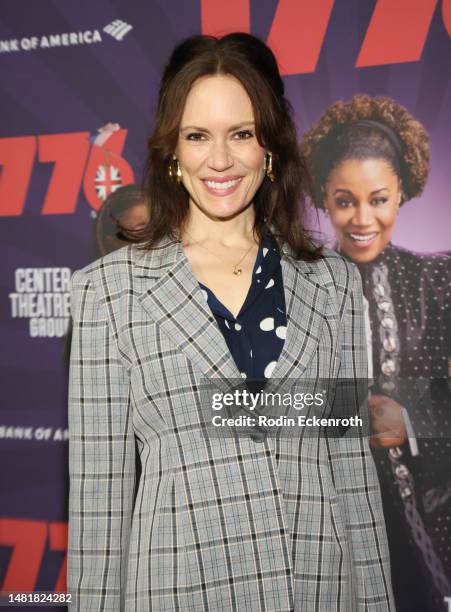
(78, 92)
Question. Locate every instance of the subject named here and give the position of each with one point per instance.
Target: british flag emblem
(108, 179)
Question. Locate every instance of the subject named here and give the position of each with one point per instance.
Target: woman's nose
(363, 215)
(220, 157)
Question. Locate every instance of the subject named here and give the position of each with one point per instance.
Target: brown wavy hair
(279, 204)
(338, 135)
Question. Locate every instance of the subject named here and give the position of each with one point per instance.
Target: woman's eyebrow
(377, 190)
(341, 190)
(198, 128)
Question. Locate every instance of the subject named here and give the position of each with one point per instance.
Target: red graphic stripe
(219, 17)
(297, 34)
(397, 32)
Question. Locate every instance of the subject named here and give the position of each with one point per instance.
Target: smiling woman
(227, 285)
(222, 165)
(223, 157)
(369, 157)
(224, 128)
(362, 198)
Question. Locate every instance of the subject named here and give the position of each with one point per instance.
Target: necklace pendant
(237, 271)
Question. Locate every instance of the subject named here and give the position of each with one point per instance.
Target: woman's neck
(200, 227)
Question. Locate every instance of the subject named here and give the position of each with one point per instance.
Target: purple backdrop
(78, 87)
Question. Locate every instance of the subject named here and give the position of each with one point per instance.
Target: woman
(227, 285)
(368, 158)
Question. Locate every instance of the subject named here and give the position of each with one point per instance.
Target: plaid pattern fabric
(218, 524)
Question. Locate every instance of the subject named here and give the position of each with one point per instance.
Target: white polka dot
(258, 270)
(243, 374)
(267, 324)
(269, 369)
(237, 326)
(265, 250)
(281, 332)
(251, 352)
(205, 294)
(270, 283)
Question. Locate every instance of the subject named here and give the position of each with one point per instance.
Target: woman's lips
(222, 187)
(362, 240)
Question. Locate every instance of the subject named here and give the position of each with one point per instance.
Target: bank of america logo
(118, 29)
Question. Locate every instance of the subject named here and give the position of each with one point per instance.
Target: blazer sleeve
(101, 457)
(353, 470)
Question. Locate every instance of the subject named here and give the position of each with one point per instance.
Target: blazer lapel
(306, 300)
(175, 302)
(177, 305)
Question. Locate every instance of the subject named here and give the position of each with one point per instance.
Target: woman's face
(221, 161)
(362, 198)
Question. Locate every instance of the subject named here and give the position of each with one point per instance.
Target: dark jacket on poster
(409, 297)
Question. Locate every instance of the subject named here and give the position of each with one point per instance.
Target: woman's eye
(243, 135)
(344, 203)
(378, 201)
(196, 136)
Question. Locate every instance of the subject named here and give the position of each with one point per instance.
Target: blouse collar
(266, 263)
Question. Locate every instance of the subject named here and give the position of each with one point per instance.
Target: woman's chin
(222, 211)
(359, 254)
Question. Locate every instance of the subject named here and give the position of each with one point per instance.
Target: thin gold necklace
(236, 270)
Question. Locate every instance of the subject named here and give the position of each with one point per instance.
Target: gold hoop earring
(268, 167)
(177, 171)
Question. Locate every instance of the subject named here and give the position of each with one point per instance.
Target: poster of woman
(368, 158)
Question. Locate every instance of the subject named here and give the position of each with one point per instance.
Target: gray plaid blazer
(215, 524)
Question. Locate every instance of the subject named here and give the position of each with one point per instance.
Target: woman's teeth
(363, 237)
(226, 185)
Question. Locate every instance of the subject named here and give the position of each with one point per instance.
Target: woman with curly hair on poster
(368, 158)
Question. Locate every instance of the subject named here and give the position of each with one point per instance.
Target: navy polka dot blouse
(256, 336)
